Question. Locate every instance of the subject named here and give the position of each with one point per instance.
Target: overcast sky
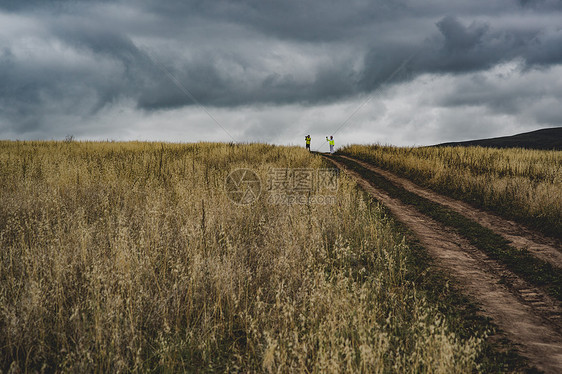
(400, 72)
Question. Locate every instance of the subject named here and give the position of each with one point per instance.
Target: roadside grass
(519, 184)
(498, 353)
(129, 257)
(521, 262)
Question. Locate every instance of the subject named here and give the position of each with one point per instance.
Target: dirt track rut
(530, 318)
(547, 249)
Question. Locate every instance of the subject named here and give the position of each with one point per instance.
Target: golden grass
(521, 184)
(119, 257)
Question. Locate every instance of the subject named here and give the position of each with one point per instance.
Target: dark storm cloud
(461, 47)
(244, 53)
(289, 19)
(541, 4)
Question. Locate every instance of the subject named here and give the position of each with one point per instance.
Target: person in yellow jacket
(331, 142)
(307, 140)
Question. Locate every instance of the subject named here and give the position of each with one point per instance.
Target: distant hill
(539, 139)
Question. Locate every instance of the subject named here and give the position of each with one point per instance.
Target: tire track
(547, 249)
(528, 316)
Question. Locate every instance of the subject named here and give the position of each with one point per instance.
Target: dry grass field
(126, 257)
(521, 184)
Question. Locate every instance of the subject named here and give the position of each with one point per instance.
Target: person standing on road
(307, 140)
(331, 142)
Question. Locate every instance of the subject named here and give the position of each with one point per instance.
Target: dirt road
(547, 249)
(529, 317)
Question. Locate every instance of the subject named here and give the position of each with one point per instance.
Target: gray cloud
(74, 59)
(462, 48)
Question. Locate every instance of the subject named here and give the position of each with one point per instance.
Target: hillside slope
(540, 139)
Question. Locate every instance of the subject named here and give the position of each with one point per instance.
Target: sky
(401, 72)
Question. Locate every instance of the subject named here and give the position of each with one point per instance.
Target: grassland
(120, 257)
(524, 185)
